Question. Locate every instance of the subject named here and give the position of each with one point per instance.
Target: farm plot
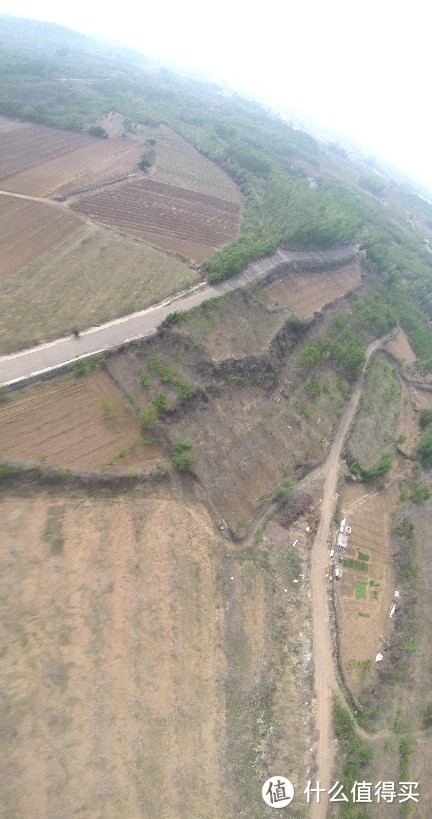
(364, 594)
(112, 659)
(28, 229)
(105, 275)
(173, 218)
(305, 293)
(95, 163)
(30, 146)
(7, 124)
(81, 423)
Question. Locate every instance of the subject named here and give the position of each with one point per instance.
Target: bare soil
(401, 347)
(112, 659)
(28, 229)
(34, 145)
(82, 423)
(306, 293)
(171, 217)
(95, 163)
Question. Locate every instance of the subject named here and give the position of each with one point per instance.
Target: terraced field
(305, 293)
(81, 423)
(172, 218)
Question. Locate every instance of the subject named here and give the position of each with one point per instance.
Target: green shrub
(148, 417)
(424, 448)
(183, 456)
(160, 402)
(425, 417)
(284, 490)
(420, 493)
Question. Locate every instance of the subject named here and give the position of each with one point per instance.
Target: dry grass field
(173, 218)
(176, 161)
(104, 275)
(306, 293)
(365, 593)
(28, 229)
(76, 422)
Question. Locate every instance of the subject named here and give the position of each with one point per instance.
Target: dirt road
(325, 676)
(49, 357)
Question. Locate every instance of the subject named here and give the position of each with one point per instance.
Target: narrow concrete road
(325, 676)
(47, 357)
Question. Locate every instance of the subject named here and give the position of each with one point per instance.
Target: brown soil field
(401, 347)
(306, 293)
(81, 423)
(363, 621)
(11, 124)
(93, 164)
(28, 229)
(173, 218)
(177, 162)
(35, 144)
(112, 664)
(105, 275)
(148, 670)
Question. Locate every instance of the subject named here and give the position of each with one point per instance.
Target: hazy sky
(360, 68)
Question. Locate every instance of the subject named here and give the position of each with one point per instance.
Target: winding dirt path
(325, 676)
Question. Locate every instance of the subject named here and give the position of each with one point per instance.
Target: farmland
(306, 293)
(365, 592)
(139, 648)
(34, 145)
(81, 423)
(105, 275)
(173, 218)
(94, 163)
(42, 226)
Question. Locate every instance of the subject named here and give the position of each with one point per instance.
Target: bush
(424, 448)
(284, 490)
(182, 455)
(425, 417)
(97, 131)
(147, 159)
(160, 402)
(148, 417)
(420, 493)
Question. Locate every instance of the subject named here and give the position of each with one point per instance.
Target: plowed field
(304, 293)
(170, 217)
(82, 423)
(30, 146)
(95, 163)
(28, 229)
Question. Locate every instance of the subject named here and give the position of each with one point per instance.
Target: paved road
(47, 357)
